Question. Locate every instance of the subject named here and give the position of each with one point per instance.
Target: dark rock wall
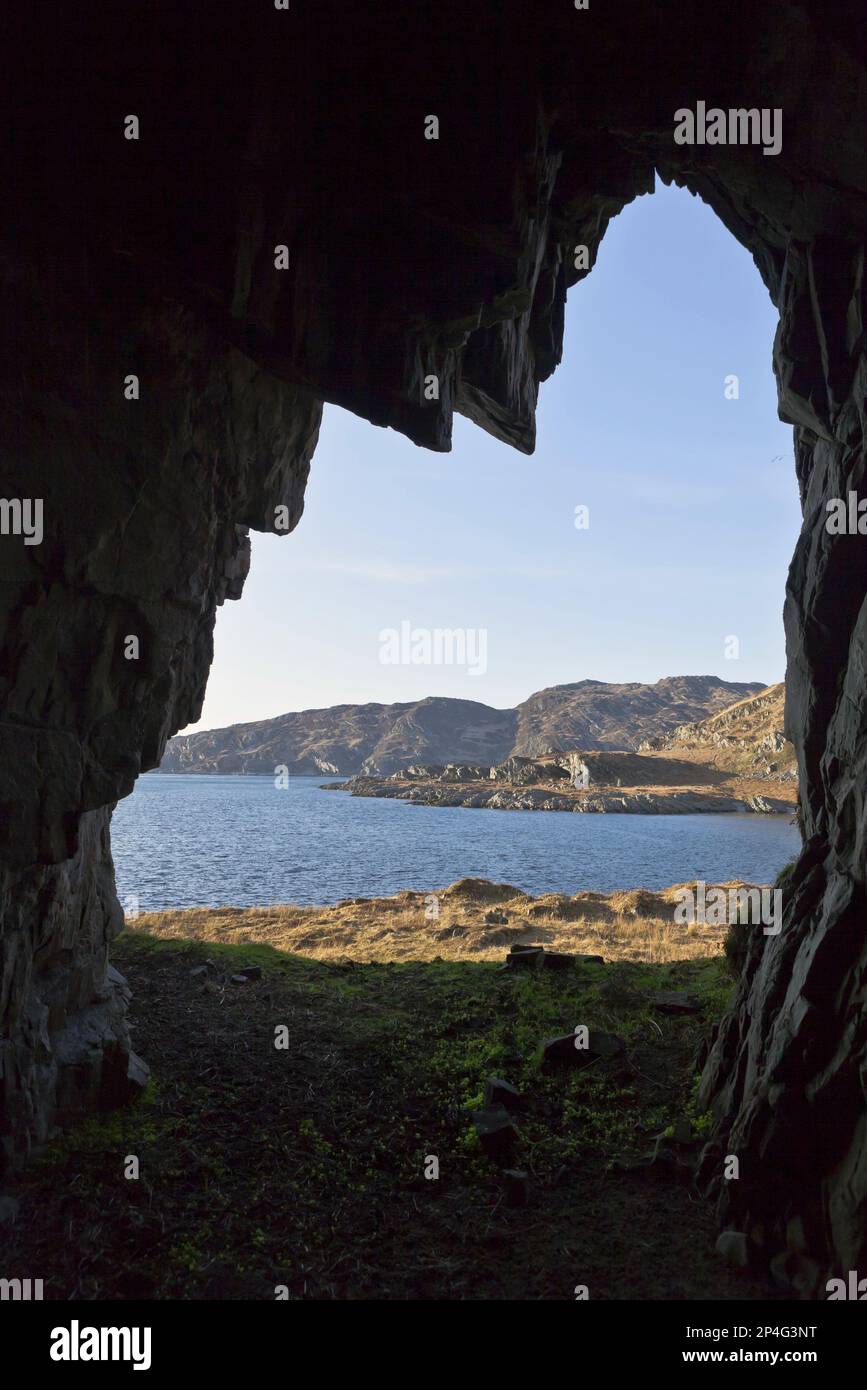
(146, 505)
(787, 1072)
(406, 258)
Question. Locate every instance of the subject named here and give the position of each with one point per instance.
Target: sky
(680, 570)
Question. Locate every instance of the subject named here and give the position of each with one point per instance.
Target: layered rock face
(406, 258)
(747, 737)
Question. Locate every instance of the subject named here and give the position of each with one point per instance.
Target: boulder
(562, 1051)
(674, 1003)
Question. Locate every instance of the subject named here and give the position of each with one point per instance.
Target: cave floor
(303, 1166)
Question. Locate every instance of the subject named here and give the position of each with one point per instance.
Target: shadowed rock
(567, 1051)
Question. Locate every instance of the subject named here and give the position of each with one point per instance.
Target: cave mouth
(691, 1265)
(405, 257)
(485, 574)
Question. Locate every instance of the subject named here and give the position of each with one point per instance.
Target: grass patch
(304, 1166)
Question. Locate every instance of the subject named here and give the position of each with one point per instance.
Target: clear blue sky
(692, 498)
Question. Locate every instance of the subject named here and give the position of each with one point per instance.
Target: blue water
(191, 840)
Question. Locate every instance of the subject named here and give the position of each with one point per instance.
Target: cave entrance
(630, 575)
(646, 548)
(397, 244)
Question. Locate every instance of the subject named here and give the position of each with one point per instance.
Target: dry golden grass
(633, 925)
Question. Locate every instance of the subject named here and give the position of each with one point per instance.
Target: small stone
(732, 1245)
(496, 919)
(238, 980)
(252, 972)
(499, 1092)
(497, 1134)
(199, 972)
(673, 1002)
(563, 1052)
(664, 1155)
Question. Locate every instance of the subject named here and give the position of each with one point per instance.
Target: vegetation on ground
(302, 1167)
(453, 923)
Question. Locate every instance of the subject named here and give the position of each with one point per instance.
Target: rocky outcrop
(538, 798)
(378, 740)
(474, 793)
(523, 772)
(406, 258)
(648, 784)
(747, 737)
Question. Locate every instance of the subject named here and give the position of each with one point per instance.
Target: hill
(747, 738)
(378, 739)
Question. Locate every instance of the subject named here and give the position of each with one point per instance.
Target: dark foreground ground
(304, 1166)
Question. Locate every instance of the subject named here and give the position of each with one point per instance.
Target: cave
(277, 230)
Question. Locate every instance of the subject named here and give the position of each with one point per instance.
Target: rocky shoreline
(666, 803)
(600, 783)
(538, 799)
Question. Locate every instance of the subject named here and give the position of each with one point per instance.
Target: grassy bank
(471, 920)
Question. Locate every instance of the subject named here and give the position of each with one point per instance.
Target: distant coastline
(376, 740)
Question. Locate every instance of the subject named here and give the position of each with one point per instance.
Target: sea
(199, 840)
